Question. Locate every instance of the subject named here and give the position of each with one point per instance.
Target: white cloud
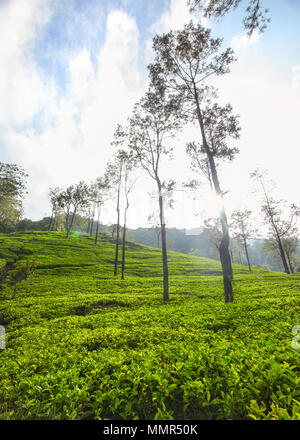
(77, 145)
(78, 129)
(116, 86)
(263, 94)
(240, 43)
(21, 88)
(81, 72)
(174, 17)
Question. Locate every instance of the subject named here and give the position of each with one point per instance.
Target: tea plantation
(82, 344)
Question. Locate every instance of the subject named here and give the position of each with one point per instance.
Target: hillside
(82, 344)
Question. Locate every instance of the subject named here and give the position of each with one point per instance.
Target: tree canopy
(255, 15)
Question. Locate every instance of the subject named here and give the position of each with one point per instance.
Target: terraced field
(82, 344)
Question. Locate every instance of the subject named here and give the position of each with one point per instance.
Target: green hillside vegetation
(82, 344)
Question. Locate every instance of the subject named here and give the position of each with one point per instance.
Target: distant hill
(196, 241)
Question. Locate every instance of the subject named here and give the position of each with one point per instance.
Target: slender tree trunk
(50, 223)
(67, 222)
(282, 254)
(226, 266)
(88, 225)
(123, 251)
(289, 261)
(71, 224)
(56, 222)
(54, 227)
(210, 181)
(158, 236)
(118, 227)
(163, 244)
(92, 220)
(275, 231)
(72, 221)
(92, 226)
(97, 229)
(124, 229)
(117, 245)
(247, 255)
(224, 246)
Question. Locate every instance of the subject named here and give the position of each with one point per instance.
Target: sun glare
(212, 204)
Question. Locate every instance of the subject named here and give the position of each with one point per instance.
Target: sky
(71, 70)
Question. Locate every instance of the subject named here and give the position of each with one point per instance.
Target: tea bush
(82, 344)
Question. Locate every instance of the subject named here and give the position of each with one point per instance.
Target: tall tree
(290, 245)
(281, 218)
(128, 184)
(54, 199)
(113, 229)
(155, 119)
(255, 17)
(221, 127)
(89, 216)
(153, 219)
(235, 251)
(214, 231)
(74, 198)
(280, 227)
(93, 194)
(65, 203)
(199, 161)
(12, 181)
(12, 192)
(183, 61)
(100, 192)
(241, 224)
(114, 171)
(11, 211)
(92, 217)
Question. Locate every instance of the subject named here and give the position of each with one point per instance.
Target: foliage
(72, 200)
(10, 213)
(290, 245)
(12, 181)
(242, 229)
(256, 17)
(221, 126)
(12, 190)
(155, 120)
(281, 219)
(81, 344)
(55, 195)
(21, 273)
(183, 61)
(122, 160)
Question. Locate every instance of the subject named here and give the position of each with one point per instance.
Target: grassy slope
(83, 344)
